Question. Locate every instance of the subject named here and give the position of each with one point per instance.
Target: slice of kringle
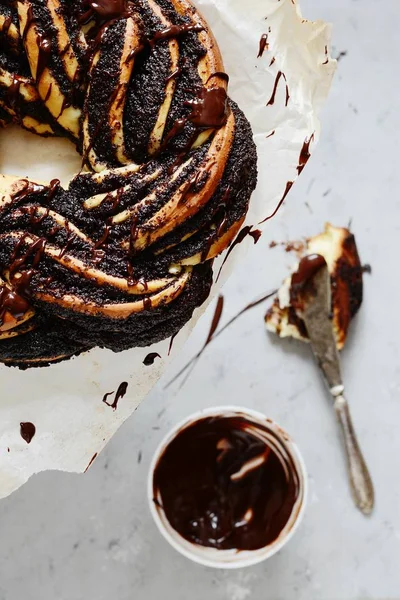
(338, 246)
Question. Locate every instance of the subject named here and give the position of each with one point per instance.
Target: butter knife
(315, 308)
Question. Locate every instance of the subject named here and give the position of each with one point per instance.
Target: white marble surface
(68, 537)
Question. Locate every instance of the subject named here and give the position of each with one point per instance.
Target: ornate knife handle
(360, 480)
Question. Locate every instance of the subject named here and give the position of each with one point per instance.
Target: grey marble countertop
(68, 537)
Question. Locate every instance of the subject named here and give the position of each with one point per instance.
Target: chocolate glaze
(44, 49)
(150, 358)
(210, 108)
(222, 486)
(174, 31)
(27, 431)
(120, 393)
(263, 45)
(108, 9)
(12, 302)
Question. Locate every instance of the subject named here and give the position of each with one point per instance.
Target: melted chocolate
(109, 9)
(210, 108)
(150, 358)
(222, 486)
(303, 280)
(263, 45)
(27, 431)
(120, 393)
(304, 154)
(12, 302)
(243, 233)
(30, 188)
(34, 249)
(13, 90)
(271, 101)
(282, 200)
(174, 31)
(44, 48)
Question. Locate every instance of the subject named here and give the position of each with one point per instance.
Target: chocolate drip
(13, 90)
(44, 49)
(27, 431)
(271, 101)
(281, 201)
(263, 45)
(12, 302)
(36, 249)
(210, 108)
(195, 358)
(30, 189)
(224, 483)
(243, 233)
(173, 31)
(304, 154)
(109, 9)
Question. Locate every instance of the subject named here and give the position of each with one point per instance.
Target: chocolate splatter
(120, 393)
(271, 101)
(150, 358)
(287, 190)
(194, 359)
(304, 154)
(27, 431)
(263, 45)
(243, 233)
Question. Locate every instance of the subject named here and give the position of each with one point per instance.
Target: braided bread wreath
(123, 256)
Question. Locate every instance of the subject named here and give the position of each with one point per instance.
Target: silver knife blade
(316, 316)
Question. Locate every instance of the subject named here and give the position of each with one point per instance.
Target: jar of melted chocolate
(228, 482)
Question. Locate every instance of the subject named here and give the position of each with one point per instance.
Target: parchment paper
(65, 401)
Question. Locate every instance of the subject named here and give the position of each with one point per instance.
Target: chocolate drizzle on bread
(123, 255)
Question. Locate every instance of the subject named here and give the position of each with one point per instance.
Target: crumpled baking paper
(64, 401)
